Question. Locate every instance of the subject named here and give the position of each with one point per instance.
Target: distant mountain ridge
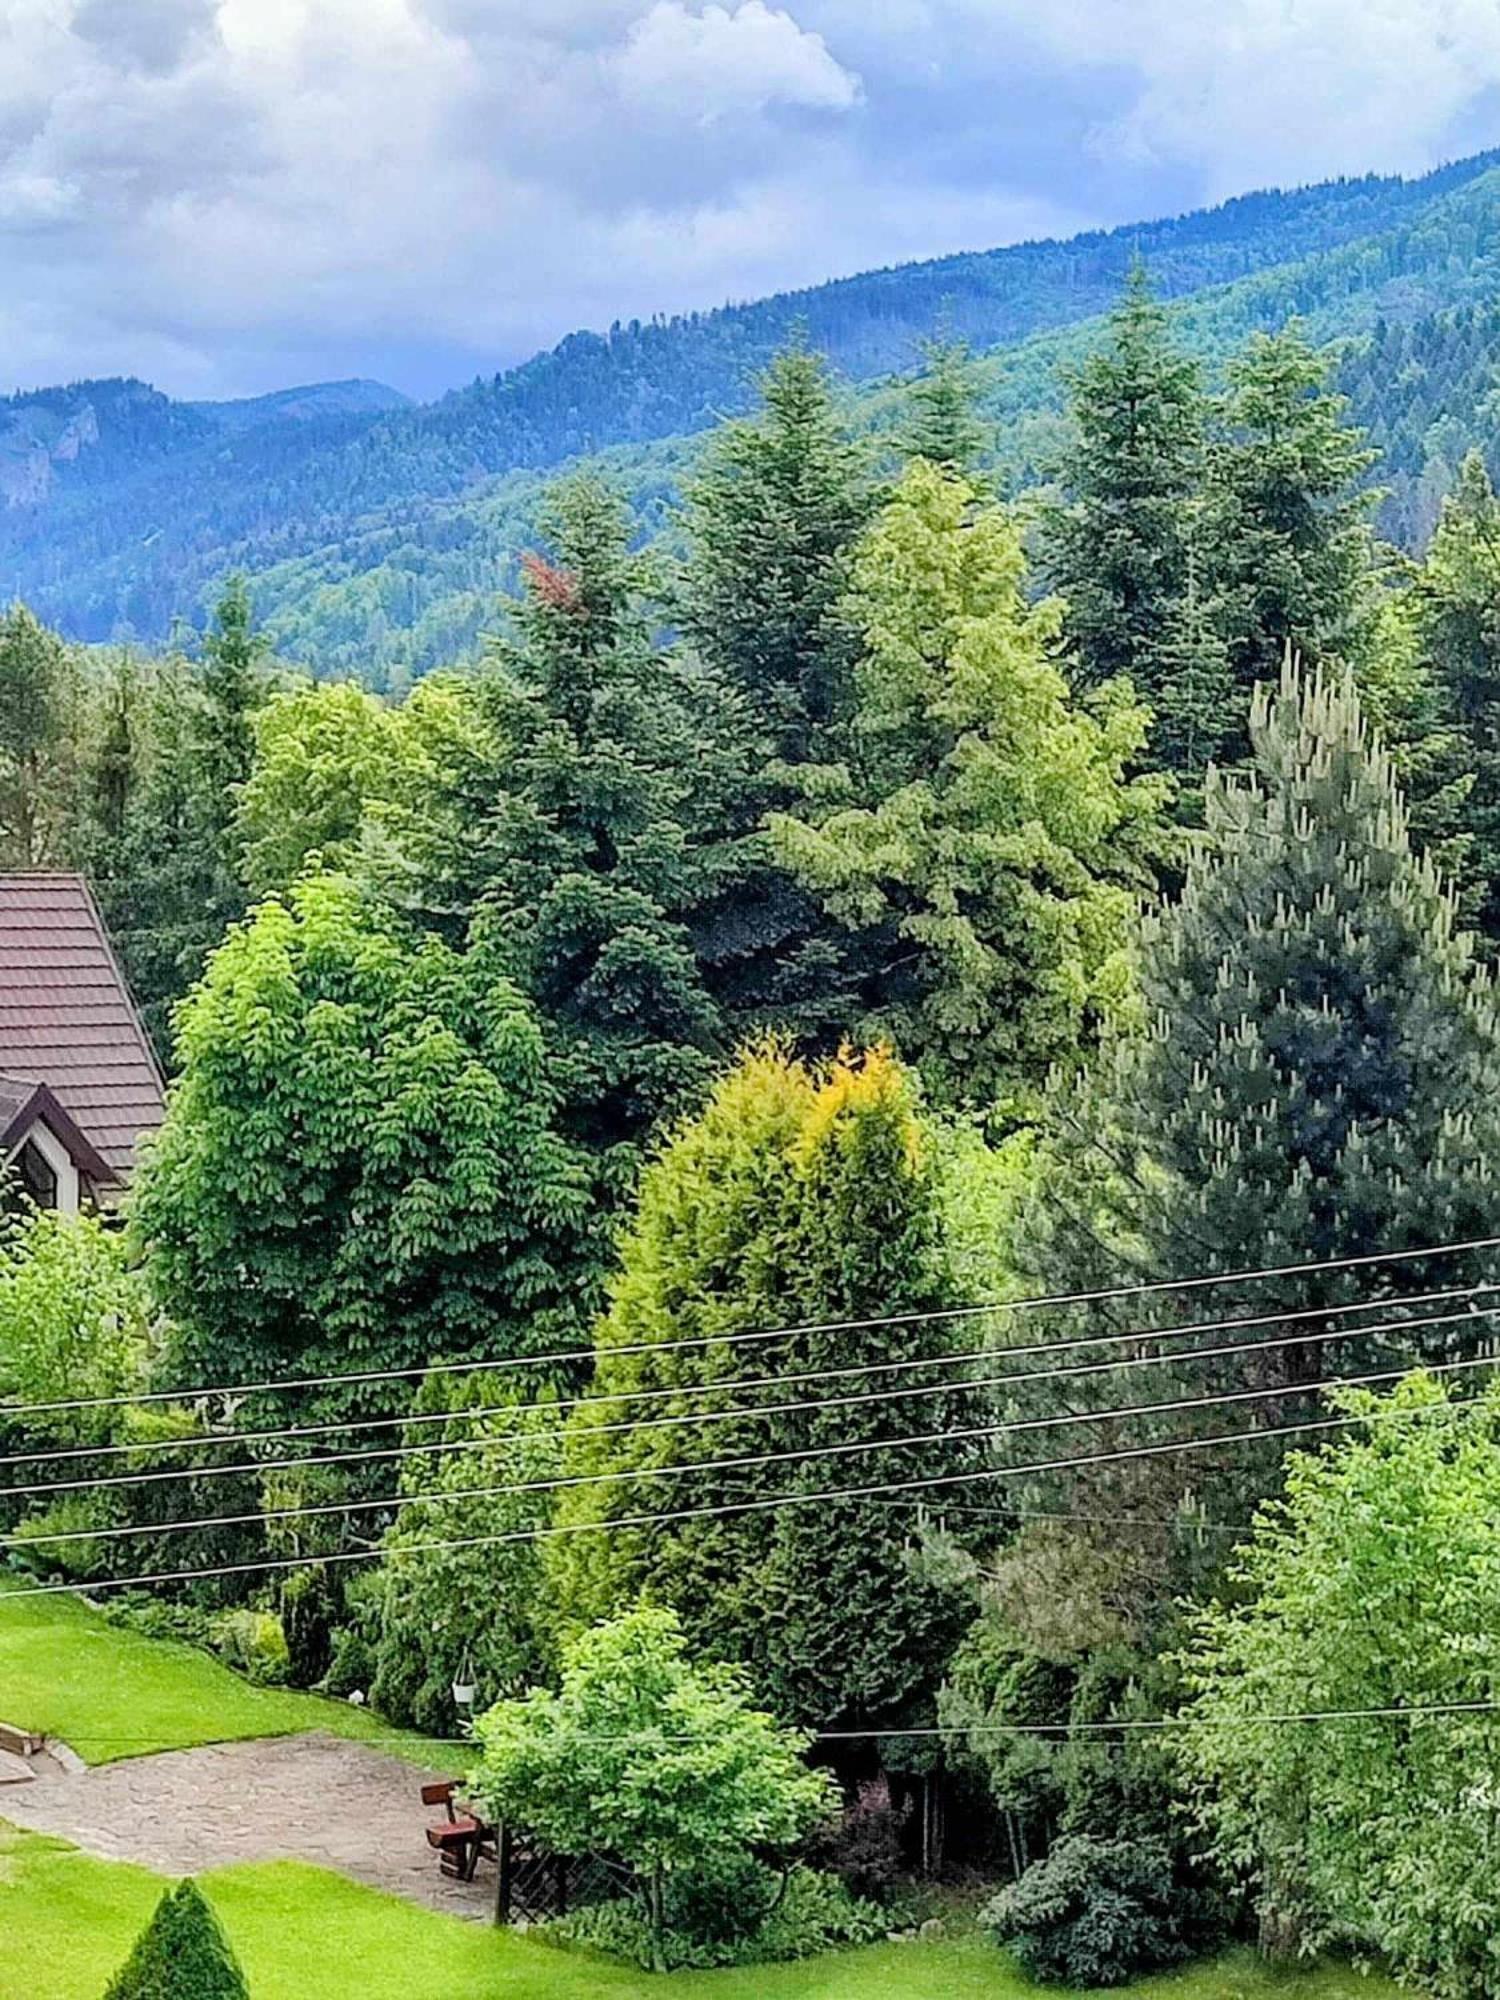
(381, 530)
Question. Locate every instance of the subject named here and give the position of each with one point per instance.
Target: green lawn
(67, 1672)
(66, 1921)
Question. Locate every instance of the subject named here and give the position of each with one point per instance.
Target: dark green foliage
(943, 424)
(1317, 1076)
(1121, 549)
(181, 1955)
(770, 522)
(750, 1915)
(591, 858)
(1094, 1913)
(1288, 532)
(38, 687)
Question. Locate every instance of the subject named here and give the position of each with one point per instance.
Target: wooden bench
(462, 1839)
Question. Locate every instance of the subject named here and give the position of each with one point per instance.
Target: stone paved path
(313, 1798)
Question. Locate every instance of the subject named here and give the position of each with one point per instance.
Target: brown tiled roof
(66, 1016)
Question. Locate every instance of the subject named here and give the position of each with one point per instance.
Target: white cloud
(228, 194)
(726, 59)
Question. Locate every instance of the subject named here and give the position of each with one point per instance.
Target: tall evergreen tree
(799, 1197)
(942, 423)
(1317, 1080)
(771, 521)
(1454, 603)
(1289, 536)
(592, 854)
(1120, 548)
(979, 840)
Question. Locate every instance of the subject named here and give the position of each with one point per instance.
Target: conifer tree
(1120, 548)
(771, 521)
(942, 424)
(592, 853)
(978, 840)
(182, 1954)
(38, 720)
(1288, 533)
(1317, 1080)
(1455, 607)
(798, 1197)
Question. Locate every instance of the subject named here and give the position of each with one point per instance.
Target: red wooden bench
(462, 1839)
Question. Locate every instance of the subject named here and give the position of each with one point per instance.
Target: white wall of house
(58, 1158)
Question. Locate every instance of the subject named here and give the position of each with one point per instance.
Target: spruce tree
(942, 423)
(799, 1197)
(1120, 548)
(593, 854)
(771, 521)
(770, 525)
(1454, 604)
(1288, 534)
(1317, 1079)
(182, 1954)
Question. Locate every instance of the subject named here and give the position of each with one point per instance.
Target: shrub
(1094, 1913)
(253, 1643)
(810, 1912)
(864, 1847)
(182, 1954)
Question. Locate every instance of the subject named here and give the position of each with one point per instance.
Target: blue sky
(227, 196)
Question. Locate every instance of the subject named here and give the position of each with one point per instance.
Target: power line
(776, 1503)
(968, 1356)
(44, 1490)
(582, 1354)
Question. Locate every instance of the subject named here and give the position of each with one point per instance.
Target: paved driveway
(311, 1798)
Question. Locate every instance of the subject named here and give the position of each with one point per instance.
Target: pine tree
(799, 1197)
(1120, 549)
(1317, 1080)
(182, 1954)
(38, 700)
(1288, 535)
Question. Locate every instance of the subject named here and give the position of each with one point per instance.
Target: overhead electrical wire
(806, 1406)
(1045, 1302)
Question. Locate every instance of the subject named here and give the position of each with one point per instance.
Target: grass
(109, 1692)
(299, 1931)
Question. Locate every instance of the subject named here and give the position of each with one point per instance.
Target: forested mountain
(379, 532)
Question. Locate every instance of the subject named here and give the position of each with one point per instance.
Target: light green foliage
(981, 841)
(758, 1915)
(1374, 1584)
(464, 1614)
(359, 1167)
(799, 1197)
(182, 1954)
(75, 1322)
(38, 747)
(648, 1756)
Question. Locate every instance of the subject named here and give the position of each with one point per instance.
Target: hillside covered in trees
(377, 530)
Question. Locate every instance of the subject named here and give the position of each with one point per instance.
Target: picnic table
(461, 1838)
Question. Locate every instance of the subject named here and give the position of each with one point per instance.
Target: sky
(230, 196)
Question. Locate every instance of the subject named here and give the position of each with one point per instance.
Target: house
(79, 1084)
